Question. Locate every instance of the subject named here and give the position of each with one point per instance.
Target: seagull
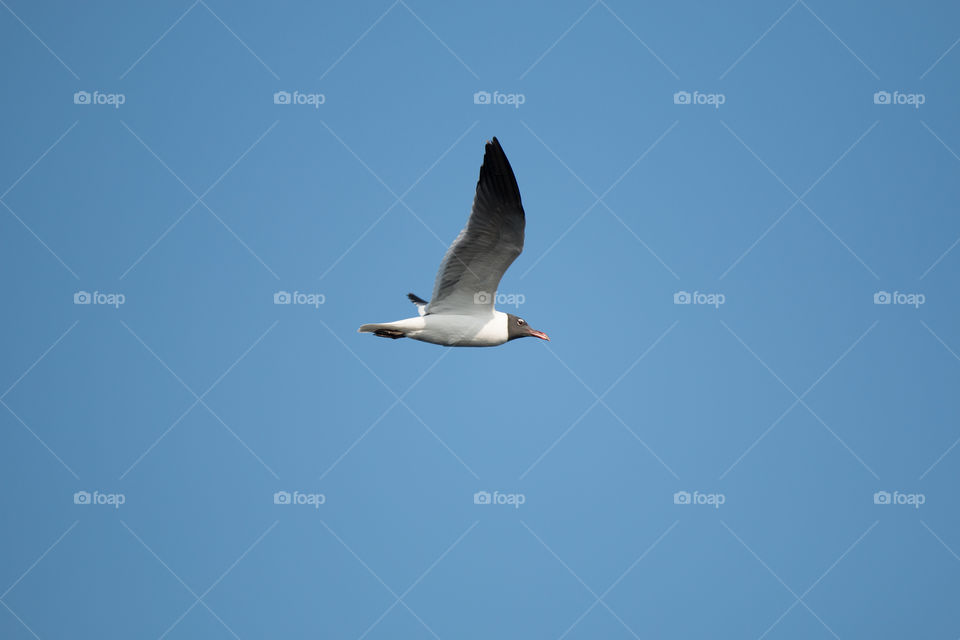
(461, 311)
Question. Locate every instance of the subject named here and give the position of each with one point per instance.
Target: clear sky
(742, 239)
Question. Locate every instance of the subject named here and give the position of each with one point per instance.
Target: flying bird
(461, 311)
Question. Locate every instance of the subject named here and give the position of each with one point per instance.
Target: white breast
(461, 330)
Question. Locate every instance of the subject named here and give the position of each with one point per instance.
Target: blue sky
(741, 238)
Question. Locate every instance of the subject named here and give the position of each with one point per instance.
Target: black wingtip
(415, 299)
(497, 174)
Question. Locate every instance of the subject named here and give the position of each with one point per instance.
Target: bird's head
(517, 327)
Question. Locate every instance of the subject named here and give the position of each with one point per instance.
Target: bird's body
(461, 312)
(449, 330)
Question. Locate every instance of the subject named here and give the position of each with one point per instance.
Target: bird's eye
(520, 322)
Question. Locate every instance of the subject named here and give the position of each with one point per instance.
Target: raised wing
(493, 238)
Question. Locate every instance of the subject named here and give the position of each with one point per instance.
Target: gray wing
(493, 238)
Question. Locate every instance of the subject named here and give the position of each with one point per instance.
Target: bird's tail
(388, 330)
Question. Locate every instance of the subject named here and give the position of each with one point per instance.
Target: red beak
(539, 334)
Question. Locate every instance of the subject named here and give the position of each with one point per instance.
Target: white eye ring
(520, 322)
